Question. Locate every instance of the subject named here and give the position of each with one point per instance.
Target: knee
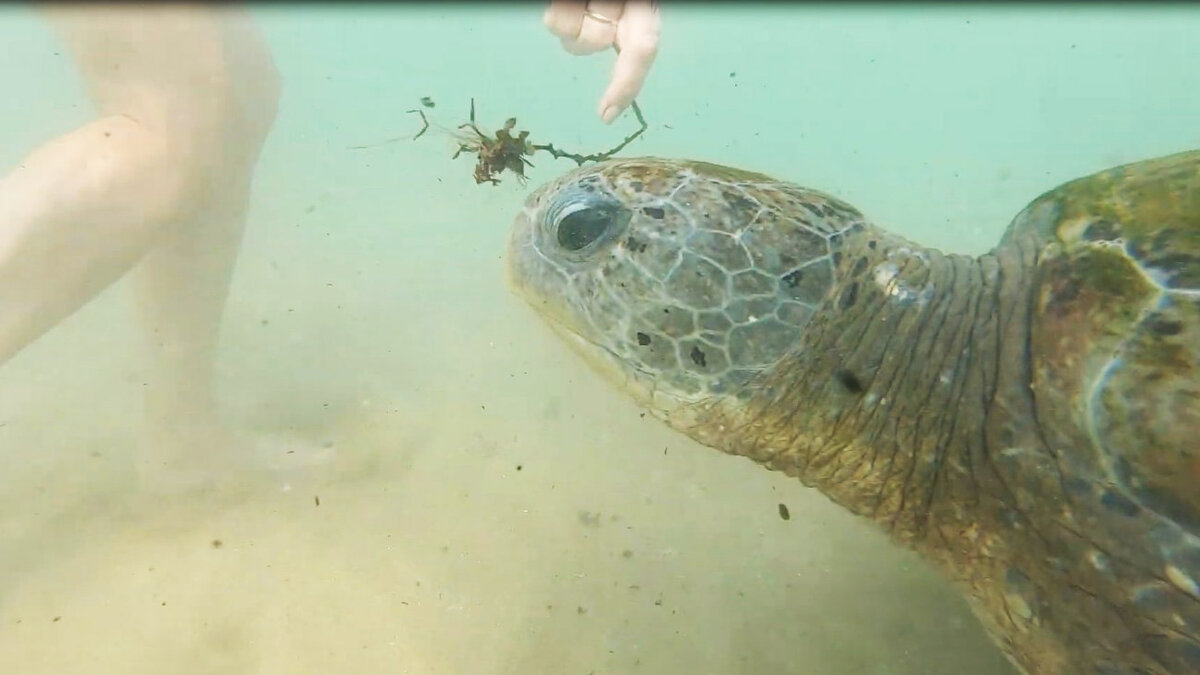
(228, 118)
(257, 92)
(207, 155)
(232, 116)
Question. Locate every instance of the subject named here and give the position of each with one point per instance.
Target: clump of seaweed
(507, 149)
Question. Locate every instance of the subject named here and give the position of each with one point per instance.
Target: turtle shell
(1115, 342)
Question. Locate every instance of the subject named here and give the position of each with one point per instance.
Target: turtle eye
(581, 227)
(582, 224)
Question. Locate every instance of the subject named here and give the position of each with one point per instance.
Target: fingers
(632, 26)
(584, 27)
(601, 20)
(637, 45)
(564, 18)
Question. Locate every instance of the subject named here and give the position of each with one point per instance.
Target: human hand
(632, 27)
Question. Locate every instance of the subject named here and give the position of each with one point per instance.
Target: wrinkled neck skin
(883, 405)
(909, 381)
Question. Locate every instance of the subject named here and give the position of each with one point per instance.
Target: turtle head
(680, 280)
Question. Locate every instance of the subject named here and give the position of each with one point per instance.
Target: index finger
(637, 43)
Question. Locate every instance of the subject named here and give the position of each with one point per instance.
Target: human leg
(186, 97)
(183, 281)
(74, 217)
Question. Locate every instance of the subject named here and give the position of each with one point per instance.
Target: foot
(202, 454)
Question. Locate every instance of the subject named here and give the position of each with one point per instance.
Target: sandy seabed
(493, 507)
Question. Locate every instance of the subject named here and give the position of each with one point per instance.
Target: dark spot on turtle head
(837, 258)
(643, 339)
(654, 212)
(637, 185)
(635, 245)
(1118, 502)
(872, 244)
(1101, 230)
(860, 266)
(793, 278)
(848, 297)
(698, 357)
(1164, 327)
(783, 512)
(849, 381)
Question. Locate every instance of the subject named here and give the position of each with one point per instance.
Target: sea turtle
(1027, 420)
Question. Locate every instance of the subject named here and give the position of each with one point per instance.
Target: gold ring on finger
(599, 17)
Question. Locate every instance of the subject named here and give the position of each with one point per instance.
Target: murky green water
(497, 508)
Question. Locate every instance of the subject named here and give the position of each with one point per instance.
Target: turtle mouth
(601, 359)
(632, 381)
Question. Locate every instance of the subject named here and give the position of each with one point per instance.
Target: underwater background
(495, 506)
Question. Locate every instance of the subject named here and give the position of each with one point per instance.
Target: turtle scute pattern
(757, 257)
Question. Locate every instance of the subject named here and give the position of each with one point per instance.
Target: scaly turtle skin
(1028, 420)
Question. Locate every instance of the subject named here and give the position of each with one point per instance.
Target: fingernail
(610, 113)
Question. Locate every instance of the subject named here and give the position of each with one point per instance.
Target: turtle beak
(519, 245)
(510, 252)
(527, 272)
